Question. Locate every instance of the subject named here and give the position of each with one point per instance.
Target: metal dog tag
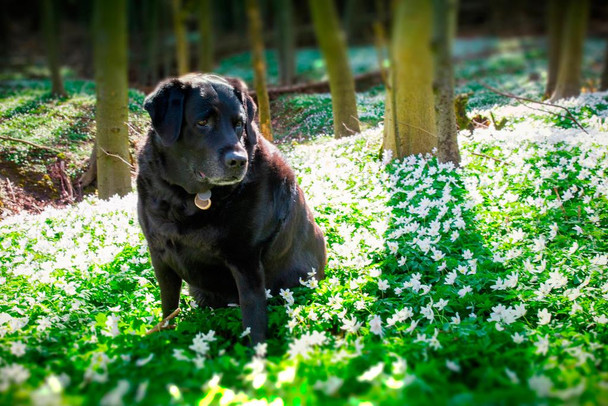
(203, 200)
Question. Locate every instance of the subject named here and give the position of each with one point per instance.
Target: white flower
(111, 328)
(18, 348)
(351, 325)
(540, 384)
(462, 292)
(542, 345)
(518, 338)
(329, 387)
(450, 278)
(540, 244)
(260, 349)
(544, 317)
(393, 247)
(375, 325)
(287, 295)
(178, 354)
(452, 366)
(372, 373)
(383, 285)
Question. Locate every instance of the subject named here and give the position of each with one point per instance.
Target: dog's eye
(202, 123)
(238, 124)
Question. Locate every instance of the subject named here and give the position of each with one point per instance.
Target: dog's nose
(234, 160)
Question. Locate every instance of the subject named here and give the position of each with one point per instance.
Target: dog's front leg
(170, 286)
(252, 297)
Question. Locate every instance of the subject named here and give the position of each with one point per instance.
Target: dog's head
(204, 130)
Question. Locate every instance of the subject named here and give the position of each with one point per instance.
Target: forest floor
(60, 131)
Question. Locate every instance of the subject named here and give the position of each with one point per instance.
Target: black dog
(219, 206)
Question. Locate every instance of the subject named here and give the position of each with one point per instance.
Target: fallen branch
(487, 156)
(32, 144)
(510, 95)
(164, 324)
(362, 81)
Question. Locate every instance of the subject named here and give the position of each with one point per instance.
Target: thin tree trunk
(286, 41)
(259, 66)
(151, 41)
(49, 29)
(110, 31)
(571, 57)
(342, 86)
(205, 30)
(412, 78)
(604, 78)
(352, 12)
(445, 12)
(555, 24)
(181, 39)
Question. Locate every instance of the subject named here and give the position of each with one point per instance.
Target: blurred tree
(604, 78)
(181, 40)
(444, 30)
(254, 20)
(51, 38)
(352, 19)
(341, 83)
(412, 128)
(151, 23)
(110, 51)
(205, 30)
(571, 56)
(555, 29)
(286, 40)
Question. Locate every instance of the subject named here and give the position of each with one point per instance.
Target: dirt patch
(24, 190)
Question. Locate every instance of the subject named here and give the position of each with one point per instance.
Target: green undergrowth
(60, 129)
(486, 284)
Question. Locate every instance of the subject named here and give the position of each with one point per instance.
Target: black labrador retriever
(219, 206)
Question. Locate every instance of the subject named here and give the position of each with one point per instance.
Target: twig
(487, 156)
(570, 115)
(66, 184)
(2, 137)
(119, 158)
(163, 325)
(10, 189)
(559, 199)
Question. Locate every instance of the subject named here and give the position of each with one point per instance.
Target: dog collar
(203, 200)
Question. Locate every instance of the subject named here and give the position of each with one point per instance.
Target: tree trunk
(110, 32)
(286, 41)
(259, 66)
(342, 86)
(151, 41)
(555, 24)
(412, 78)
(604, 78)
(49, 30)
(444, 27)
(571, 57)
(205, 30)
(352, 12)
(181, 39)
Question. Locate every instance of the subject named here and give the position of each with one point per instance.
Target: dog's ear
(166, 108)
(242, 93)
